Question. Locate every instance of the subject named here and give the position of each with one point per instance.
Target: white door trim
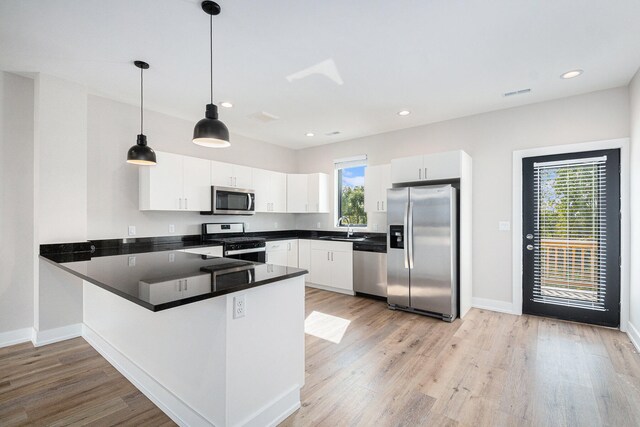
(625, 226)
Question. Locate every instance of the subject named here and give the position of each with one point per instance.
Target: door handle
(410, 235)
(179, 285)
(529, 247)
(406, 233)
(186, 282)
(530, 236)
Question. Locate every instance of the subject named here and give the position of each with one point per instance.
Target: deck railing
(570, 266)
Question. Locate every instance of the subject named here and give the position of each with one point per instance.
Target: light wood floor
(389, 369)
(69, 383)
(399, 369)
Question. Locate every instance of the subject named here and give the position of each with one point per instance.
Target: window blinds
(570, 235)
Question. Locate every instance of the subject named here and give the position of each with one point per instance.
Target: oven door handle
(245, 251)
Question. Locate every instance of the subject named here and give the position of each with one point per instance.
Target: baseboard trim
(49, 336)
(181, 413)
(17, 336)
(493, 305)
(329, 288)
(275, 411)
(634, 335)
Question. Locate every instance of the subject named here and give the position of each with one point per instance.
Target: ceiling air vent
(264, 117)
(335, 132)
(517, 92)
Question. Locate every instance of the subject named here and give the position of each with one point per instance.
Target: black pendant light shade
(141, 153)
(211, 132)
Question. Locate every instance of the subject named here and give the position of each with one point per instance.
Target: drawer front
(325, 245)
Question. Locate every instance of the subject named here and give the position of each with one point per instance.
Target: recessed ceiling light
(404, 113)
(571, 74)
(309, 134)
(226, 104)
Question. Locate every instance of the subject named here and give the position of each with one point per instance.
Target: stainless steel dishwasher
(370, 269)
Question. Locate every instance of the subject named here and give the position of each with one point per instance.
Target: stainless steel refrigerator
(422, 250)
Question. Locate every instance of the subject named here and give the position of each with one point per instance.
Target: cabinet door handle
(383, 205)
(425, 173)
(186, 282)
(186, 203)
(420, 173)
(179, 285)
(288, 246)
(328, 257)
(180, 202)
(331, 256)
(235, 181)
(306, 207)
(378, 205)
(266, 257)
(230, 181)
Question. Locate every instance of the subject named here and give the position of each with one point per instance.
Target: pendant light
(141, 153)
(211, 132)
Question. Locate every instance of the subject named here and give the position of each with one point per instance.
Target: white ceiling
(440, 59)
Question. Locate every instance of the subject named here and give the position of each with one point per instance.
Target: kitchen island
(211, 341)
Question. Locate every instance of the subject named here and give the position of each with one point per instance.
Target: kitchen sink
(344, 239)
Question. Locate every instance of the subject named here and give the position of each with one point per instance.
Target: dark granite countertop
(108, 247)
(164, 279)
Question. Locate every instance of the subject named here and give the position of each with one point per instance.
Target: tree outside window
(351, 191)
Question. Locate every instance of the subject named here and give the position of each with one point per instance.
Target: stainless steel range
(235, 244)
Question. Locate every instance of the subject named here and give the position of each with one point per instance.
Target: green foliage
(353, 205)
(568, 202)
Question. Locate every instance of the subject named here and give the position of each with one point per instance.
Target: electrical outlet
(132, 230)
(239, 306)
(172, 257)
(172, 228)
(132, 261)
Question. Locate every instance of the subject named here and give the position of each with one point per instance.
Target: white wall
(60, 202)
(113, 184)
(16, 202)
(490, 139)
(634, 300)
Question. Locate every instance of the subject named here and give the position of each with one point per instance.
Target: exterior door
(571, 237)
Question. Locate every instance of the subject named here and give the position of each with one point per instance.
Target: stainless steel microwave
(232, 201)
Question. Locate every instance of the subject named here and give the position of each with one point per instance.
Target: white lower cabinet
(282, 252)
(330, 264)
(170, 290)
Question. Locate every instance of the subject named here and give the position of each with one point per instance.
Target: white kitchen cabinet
(331, 265)
(304, 255)
(175, 183)
(282, 252)
(308, 193)
(292, 253)
(271, 190)
(170, 290)
(377, 179)
(230, 175)
(428, 167)
(208, 250)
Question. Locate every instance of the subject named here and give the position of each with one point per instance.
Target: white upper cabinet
(427, 167)
(197, 191)
(308, 193)
(377, 179)
(271, 190)
(175, 183)
(230, 175)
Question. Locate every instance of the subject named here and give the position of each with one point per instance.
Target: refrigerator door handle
(406, 233)
(409, 233)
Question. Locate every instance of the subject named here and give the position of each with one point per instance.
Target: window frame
(339, 165)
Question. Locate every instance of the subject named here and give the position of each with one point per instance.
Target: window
(350, 191)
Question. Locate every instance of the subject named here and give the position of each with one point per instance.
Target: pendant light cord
(141, 101)
(211, 52)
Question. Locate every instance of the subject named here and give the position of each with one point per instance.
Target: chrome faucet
(349, 229)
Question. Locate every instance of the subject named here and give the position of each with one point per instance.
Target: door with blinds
(571, 241)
